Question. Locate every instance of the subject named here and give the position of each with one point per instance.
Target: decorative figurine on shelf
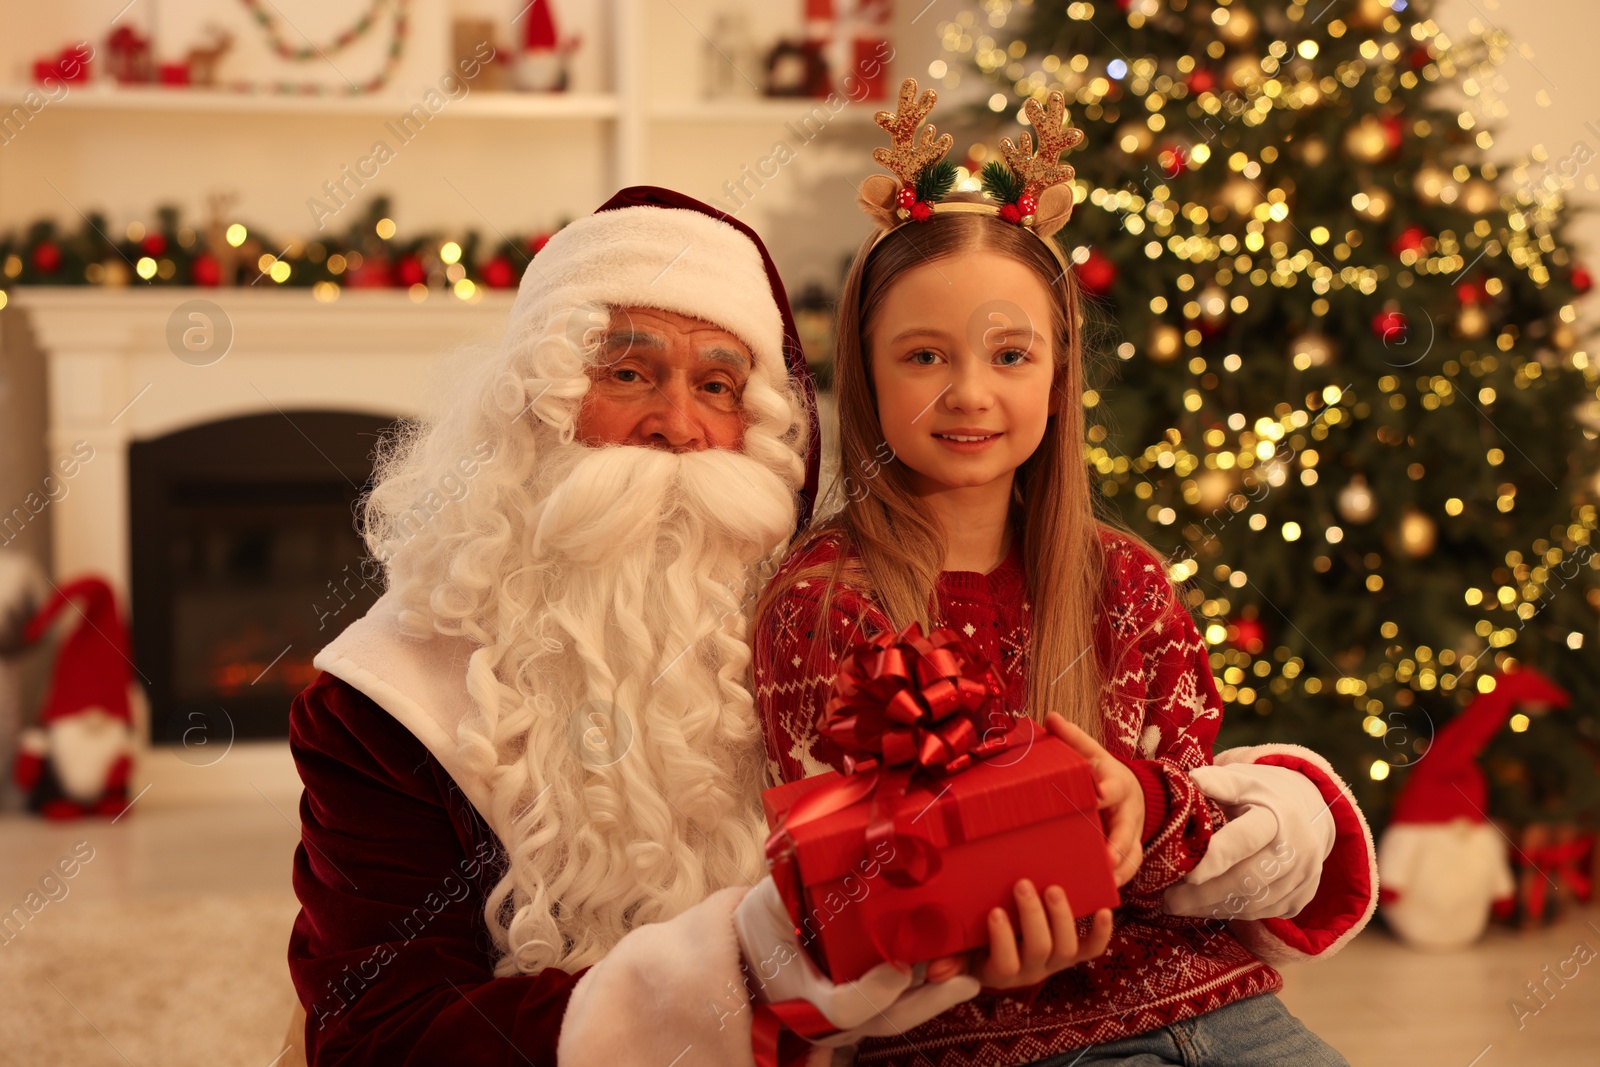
(797, 69)
(470, 39)
(202, 59)
(731, 59)
(542, 68)
(129, 57)
(70, 65)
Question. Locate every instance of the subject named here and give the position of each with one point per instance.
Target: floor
(166, 946)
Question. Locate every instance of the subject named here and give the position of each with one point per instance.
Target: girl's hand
(1049, 943)
(1119, 792)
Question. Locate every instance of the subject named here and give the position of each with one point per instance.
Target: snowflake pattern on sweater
(1160, 711)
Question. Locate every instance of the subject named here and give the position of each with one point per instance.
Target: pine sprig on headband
(936, 181)
(1001, 182)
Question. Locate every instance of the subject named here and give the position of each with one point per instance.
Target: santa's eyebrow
(633, 338)
(731, 356)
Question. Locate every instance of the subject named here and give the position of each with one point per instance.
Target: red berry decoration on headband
(1010, 213)
(908, 197)
(921, 211)
(1026, 204)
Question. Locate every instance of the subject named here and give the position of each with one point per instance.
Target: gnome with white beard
(76, 761)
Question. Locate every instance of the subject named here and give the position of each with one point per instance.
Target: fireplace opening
(245, 562)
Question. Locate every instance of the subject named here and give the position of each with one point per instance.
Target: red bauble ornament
(409, 271)
(1420, 57)
(1202, 81)
(1582, 282)
(1174, 160)
(374, 273)
(205, 270)
(46, 257)
(498, 273)
(1026, 204)
(154, 244)
(1249, 635)
(921, 211)
(1097, 273)
(1411, 239)
(537, 242)
(1393, 131)
(907, 197)
(1389, 326)
(1470, 293)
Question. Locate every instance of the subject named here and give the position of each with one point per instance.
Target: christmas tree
(1345, 391)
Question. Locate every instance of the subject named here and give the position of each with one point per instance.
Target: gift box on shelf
(941, 803)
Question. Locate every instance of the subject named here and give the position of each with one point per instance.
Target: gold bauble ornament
(1472, 321)
(1213, 305)
(1356, 502)
(1240, 27)
(1311, 349)
(1563, 338)
(1166, 341)
(1135, 137)
(1241, 73)
(1479, 197)
(1369, 13)
(1240, 195)
(1431, 182)
(1215, 486)
(1313, 150)
(1367, 141)
(1379, 202)
(1418, 533)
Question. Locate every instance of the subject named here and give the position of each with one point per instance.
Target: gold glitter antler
(907, 158)
(1040, 171)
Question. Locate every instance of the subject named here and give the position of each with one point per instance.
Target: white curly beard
(617, 725)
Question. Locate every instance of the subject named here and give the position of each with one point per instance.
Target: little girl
(958, 358)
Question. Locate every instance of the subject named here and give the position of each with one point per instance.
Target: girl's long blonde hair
(899, 548)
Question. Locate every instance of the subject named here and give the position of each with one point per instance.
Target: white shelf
(765, 110)
(479, 104)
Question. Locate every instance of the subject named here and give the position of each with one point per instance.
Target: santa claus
(531, 817)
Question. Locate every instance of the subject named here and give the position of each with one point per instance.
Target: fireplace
(245, 562)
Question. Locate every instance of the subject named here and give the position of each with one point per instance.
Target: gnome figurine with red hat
(1441, 865)
(76, 761)
(542, 67)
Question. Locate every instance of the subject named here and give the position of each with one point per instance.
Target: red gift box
(902, 857)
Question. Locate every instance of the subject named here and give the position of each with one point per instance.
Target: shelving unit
(156, 100)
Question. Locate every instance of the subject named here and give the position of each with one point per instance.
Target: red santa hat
(539, 33)
(652, 247)
(1447, 783)
(91, 669)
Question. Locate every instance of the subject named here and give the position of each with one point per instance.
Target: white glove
(1267, 861)
(883, 1002)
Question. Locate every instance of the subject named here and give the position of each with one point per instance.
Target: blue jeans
(1254, 1032)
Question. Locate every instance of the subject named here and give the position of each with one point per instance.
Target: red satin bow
(916, 703)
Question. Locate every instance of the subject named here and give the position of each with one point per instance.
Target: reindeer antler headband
(1030, 188)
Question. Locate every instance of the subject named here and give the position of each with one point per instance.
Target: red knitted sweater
(1161, 712)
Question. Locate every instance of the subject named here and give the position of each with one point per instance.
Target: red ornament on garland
(1389, 326)
(1582, 281)
(499, 274)
(205, 270)
(154, 244)
(1249, 635)
(1097, 273)
(46, 257)
(1411, 239)
(410, 271)
(1174, 160)
(1393, 132)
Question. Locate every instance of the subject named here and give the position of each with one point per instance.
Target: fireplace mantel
(113, 380)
